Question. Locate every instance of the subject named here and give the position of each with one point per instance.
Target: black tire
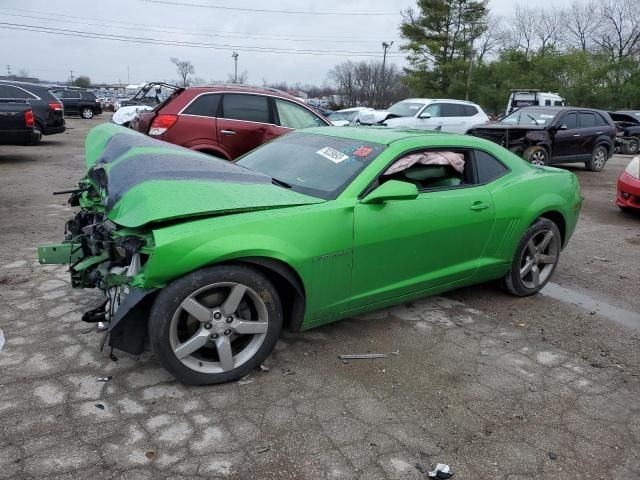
(513, 282)
(169, 303)
(598, 159)
(87, 113)
(631, 147)
(536, 155)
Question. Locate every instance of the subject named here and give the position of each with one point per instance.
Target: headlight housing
(633, 168)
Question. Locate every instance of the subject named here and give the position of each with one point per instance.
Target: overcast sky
(52, 56)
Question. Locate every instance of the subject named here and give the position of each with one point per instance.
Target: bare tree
(492, 39)
(523, 30)
(184, 68)
(549, 28)
(582, 21)
(621, 28)
(344, 78)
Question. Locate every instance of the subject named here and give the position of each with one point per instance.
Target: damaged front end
(104, 255)
(515, 139)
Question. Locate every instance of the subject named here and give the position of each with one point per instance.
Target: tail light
(56, 106)
(28, 118)
(162, 123)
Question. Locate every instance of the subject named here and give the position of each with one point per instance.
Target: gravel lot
(495, 386)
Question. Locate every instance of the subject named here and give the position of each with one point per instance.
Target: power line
(178, 43)
(209, 35)
(243, 34)
(260, 10)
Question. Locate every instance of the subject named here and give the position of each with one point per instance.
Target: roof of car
(234, 87)
(428, 100)
(558, 109)
(381, 135)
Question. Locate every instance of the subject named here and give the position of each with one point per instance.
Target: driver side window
(434, 110)
(432, 169)
(570, 120)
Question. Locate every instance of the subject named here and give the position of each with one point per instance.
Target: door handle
(477, 206)
(599, 133)
(577, 135)
(227, 132)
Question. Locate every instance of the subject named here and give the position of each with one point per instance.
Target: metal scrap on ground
(362, 356)
(441, 471)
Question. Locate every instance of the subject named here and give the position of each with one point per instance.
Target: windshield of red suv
(316, 165)
(530, 116)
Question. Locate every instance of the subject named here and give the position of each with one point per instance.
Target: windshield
(316, 165)
(406, 109)
(154, 93)
(530, 116)
(335, 116)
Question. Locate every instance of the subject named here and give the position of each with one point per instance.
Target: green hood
(142, 180)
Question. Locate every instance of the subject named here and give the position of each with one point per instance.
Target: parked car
(635, 113)
(628, 197)
(146, 99)
(17, 123)
(532, 98)
(205, 260)
(48, 111)
(226, 121)
(627, 132)
(549, 135)
(455, 116)
(346, 116)
(78, 102)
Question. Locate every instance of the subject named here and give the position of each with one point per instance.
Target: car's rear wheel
(598, 159)
(87, 113)
(535, 259)
(216, 324)
(536, 156)
(631, 147)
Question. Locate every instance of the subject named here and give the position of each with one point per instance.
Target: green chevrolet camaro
(203, 261)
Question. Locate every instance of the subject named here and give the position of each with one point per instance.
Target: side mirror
(563, 127)
(424, 115)
(392, 190)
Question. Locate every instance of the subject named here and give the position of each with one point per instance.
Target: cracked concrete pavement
(495, 386)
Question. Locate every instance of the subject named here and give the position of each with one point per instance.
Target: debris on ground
(264, 449)
(104, 379)
(362, 356)
(245, 380)
(602, 259)
(1, 339)
(287, 371)
(99, 406)
(442, 470)
(553, 456)
(150, 455)
(264, 369)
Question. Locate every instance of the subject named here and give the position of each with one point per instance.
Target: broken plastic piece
(287, 371)
(104, 379)
(441, 471)
(1, 340)
(362, 356)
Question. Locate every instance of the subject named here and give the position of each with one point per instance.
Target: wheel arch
(287, 282)
(557, 218)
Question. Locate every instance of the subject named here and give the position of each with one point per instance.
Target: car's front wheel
(536, 156)
(216, 324)
(598, 159)
(631, 147)
(87, 113)
(535, 259)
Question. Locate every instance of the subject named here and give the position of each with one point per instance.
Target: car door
(406, 246)
(71, 101)
(454, 118)
(429, 118)
(197, 123)
(566, 141)
(590, 130)
(246, 121)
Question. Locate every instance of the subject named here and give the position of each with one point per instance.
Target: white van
(533, 98)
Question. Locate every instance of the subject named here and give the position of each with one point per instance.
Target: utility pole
(70, 77)
(383, 83)
(235, 56)
(466, 95)
(8, 70)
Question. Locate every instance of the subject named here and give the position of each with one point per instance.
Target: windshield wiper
(280, 183)
(533, 119)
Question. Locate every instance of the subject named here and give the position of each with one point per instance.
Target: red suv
(225, 121)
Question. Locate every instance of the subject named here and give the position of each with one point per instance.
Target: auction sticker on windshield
(334, 155)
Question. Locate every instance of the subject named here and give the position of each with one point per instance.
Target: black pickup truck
(17, 123)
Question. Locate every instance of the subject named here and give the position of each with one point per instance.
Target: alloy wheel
(218, 327)
(599, 159)
(87, 113)
(632, 146)
(539, 259)
(539, 158)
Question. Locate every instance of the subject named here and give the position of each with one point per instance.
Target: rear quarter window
(470, 110)
(11, 91)
(488, 167)
(205, 105)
